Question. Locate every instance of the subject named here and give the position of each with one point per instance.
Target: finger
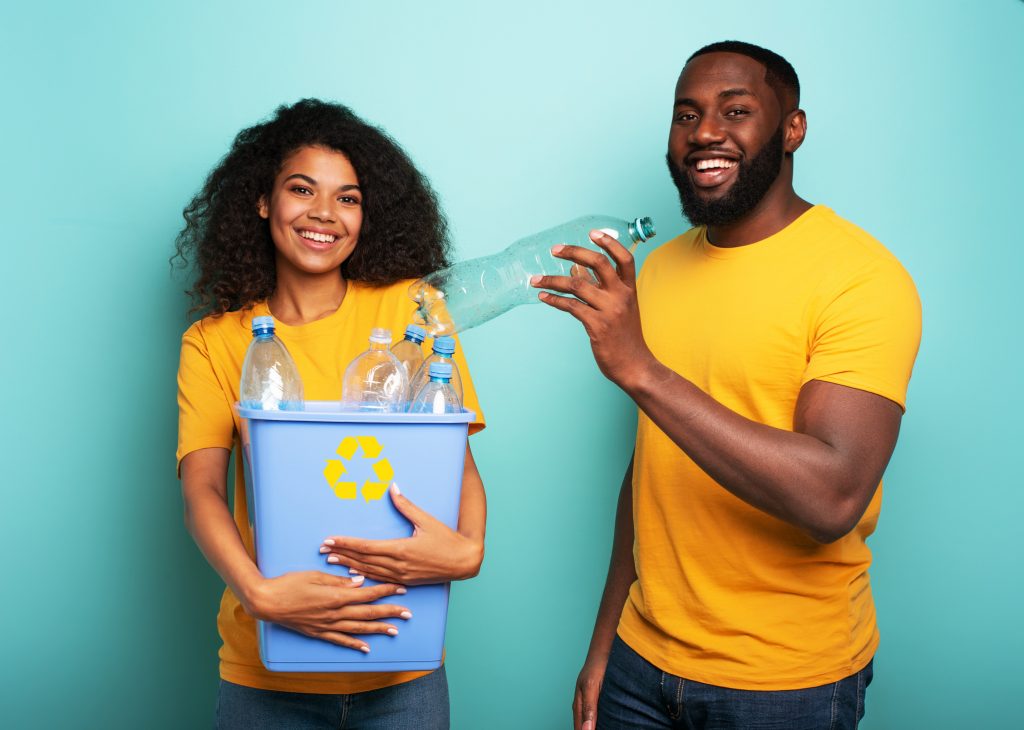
(368, 594)
(372, 612)
(366, 564)
(589, 702)
(410, 511)
(594, 260)
(580, 287)
(578, 309)
(622, 257)
(577, 710)
(364, 627)
(340, 543)
(340, 639)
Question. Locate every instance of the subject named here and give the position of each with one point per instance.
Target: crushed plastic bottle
(472, 292)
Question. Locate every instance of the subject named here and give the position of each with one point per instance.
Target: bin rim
(331, 412)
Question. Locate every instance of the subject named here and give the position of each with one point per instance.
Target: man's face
(725, 147)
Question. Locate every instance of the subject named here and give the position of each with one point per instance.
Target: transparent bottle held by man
(443, 352)
(375, 381)
(437, 396)
(471, 292)
(270, 380)
(409, 350)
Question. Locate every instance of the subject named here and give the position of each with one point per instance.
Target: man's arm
(621, 574)
(819, 477)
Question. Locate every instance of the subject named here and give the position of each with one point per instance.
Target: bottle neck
(378, 345)
(440, 380)
(263, 335)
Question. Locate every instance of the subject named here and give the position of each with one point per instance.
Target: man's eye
(736, 112)
(686, 117)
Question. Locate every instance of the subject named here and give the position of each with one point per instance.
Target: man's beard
(751, 185)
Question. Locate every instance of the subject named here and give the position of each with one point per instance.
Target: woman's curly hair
(403, 234)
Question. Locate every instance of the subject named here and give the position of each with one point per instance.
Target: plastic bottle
(270, 380)
(471, 292)
(375, 381)
(408, 350)
(437, 396)
(444, 348)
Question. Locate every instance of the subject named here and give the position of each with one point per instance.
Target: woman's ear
(262, 208)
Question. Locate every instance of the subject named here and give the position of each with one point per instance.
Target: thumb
(410, 511)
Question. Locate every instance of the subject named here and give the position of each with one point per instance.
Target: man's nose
(707, 131)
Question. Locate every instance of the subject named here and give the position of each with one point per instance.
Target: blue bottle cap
(441, 370)
(444, 345)
(261, 325)
(415, 333)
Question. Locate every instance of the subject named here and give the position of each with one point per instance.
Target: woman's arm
(316, 604)
(434, 554)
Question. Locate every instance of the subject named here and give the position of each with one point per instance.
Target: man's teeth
(318, 237)
(713, 164)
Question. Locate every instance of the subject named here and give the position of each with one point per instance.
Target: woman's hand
(325, 606)
(434, 554)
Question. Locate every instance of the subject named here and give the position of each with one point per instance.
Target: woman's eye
(301, 189)
(348, 200)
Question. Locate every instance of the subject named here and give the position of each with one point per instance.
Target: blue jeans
(636, 695)
(421, 704)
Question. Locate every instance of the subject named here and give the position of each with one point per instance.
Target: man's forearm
(820, 487)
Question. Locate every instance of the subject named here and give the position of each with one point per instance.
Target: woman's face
(315, 211)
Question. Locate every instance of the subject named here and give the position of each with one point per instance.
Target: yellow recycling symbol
(335, 470)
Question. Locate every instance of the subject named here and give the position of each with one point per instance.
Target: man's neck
(778, 208)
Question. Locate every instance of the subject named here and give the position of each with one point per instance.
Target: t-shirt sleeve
(469, 399)
(867, 335)
(205, 417)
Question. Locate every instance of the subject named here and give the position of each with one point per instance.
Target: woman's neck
(300, 300)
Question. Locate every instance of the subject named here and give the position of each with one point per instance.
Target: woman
(320, 220)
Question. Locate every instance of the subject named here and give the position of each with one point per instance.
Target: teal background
(523, 115)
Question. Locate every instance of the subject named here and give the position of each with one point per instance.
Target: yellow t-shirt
(212, 351)
(727, 594)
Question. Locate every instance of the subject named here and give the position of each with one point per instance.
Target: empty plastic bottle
(409, 351)
(270, 380)
(471, 292)
(437, 396)
(375, 381)
(444, 348)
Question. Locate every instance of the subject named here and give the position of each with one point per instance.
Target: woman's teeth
(318, 237)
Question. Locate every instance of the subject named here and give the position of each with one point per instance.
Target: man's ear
(796, 130)
(262, 207)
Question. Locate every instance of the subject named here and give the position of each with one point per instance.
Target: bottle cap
(444, 345)
(644, 228)
(441, 370)
(260, 325)
(415, 333)
(380, 335)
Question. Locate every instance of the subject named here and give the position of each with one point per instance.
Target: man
(768, 350)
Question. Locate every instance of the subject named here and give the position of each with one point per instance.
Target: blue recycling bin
(321, 471)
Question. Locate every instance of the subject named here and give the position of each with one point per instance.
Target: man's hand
(434, 554)
(588, 688)
(328, 607)
(605, 304)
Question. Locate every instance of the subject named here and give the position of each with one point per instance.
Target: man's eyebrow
(724, 94)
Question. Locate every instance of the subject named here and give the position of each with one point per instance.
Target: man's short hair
(779, 73)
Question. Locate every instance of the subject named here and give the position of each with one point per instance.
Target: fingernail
(557, 249)
(405, 614)
(353, 571)
(395, 489)
(328, 541)
(401, 591)
(534, 279)
(333, 559)
(393, 632)
(325, 549)
(365, 649)
(357, 579)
